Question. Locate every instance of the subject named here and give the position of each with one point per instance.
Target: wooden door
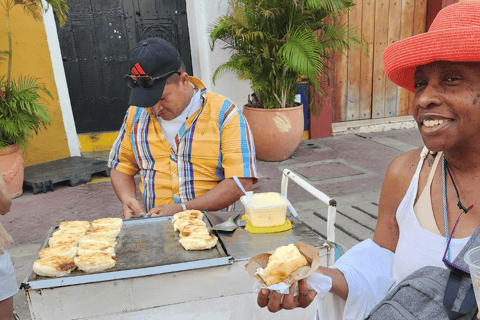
(361, 90)
(95, 43)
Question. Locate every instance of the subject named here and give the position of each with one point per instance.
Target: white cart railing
(332, 207)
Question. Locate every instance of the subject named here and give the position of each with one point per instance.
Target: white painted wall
(201, 15)
(60, 80)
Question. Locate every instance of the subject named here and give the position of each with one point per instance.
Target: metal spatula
(228, 225)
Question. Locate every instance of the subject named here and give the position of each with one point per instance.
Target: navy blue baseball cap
(152, 57)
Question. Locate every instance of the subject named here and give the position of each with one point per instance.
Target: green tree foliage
(276, 43)
(22, 109)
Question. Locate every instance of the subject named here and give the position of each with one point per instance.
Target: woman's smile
(434, 126)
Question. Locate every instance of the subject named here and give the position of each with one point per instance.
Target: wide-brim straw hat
(453, 36)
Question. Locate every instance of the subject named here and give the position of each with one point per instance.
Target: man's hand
(131, 207)
(275, 303)
(165, 210)
(125, 189)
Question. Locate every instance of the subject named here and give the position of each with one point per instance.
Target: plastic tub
(266, 209)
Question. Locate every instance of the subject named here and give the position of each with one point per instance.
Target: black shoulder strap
(451, 292)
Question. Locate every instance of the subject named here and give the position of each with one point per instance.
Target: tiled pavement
(348, 168)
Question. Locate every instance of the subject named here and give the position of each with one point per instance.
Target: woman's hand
(275, 303)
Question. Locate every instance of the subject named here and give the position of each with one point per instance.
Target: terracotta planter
(276, 132)
(12, 167)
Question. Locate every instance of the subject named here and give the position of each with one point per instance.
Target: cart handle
(332, 204)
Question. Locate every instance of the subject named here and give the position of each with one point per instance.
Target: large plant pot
(12, 167)
(276, 132)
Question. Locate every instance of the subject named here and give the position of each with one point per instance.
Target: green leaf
(301, 53)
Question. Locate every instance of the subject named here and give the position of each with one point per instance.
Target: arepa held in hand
(287, 264)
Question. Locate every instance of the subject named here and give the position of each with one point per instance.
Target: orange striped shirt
(214, 144)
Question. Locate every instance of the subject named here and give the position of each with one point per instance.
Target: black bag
(432, 293)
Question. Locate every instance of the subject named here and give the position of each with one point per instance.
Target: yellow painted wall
(31, 56)
(97, 141)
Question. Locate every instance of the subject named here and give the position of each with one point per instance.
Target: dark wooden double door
(95, 43)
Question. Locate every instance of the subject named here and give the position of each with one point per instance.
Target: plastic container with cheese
(266, 209)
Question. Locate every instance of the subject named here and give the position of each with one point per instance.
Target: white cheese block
(266, 209)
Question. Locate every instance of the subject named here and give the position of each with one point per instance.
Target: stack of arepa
(88, 246)
(194, 233)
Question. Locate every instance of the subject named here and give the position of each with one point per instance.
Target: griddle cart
(155, 278)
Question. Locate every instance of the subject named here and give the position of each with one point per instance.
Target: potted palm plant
(23, 111)
(275, 44)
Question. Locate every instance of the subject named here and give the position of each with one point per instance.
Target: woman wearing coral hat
(429, 205)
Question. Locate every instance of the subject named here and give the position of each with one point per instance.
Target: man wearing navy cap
(186, 142)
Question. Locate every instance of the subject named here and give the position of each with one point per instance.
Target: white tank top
(418, 247)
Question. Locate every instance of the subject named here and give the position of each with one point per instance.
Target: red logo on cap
(137, 71)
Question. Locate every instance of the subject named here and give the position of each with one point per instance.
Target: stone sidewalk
(348, 168)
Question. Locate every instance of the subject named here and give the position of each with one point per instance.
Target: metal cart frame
(332, 208)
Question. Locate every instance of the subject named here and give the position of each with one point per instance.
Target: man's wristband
(184, 207)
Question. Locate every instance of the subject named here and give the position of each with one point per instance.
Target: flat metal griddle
(145, 246)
